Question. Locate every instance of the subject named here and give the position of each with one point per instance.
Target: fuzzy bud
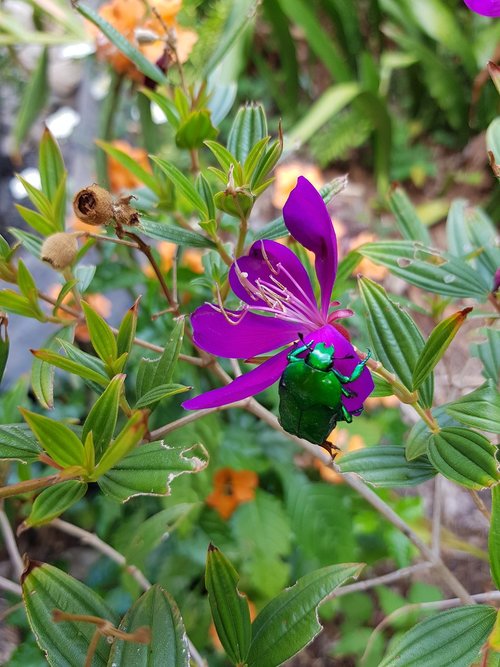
(59, 250)
(93, 205)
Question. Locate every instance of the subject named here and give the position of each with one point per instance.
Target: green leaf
(131, 165)
(387, 466)
(494, 536)
(31, 242)
(290, 622)
(17, 443)
(40, 223)
(489, 353)
(263, 533)
(395, 337)
(479, 409)
(26, 283)
(183, 185)
(140, 61)
(38, 198)
(33, 99)
(65, 644)
(158, 393)
(57, 439)
(464, 456)
(449, 639)
(168, 647)
(126, 332)
(101, 420)
(149, 469)
(407, 220)
(418, 438)
(154, 373)
(248, 128)
(224, 157)
(4, 344)
(71, 366)
(437, 344)
(52, 175)
(427, 269)
(42, 373)
(230, 609)
(16, 303)
(167, 232)
(194, 129)
(102, 338)
(55, 500)
(165, 104)
(130, 435)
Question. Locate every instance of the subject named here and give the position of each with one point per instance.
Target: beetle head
(321, 357)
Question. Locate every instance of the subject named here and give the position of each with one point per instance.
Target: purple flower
(484, 7)
(280, 307)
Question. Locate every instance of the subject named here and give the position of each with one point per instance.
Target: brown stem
(34, 484)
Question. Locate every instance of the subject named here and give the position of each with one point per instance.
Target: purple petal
(253, 335)
(257, 267)
(251, 383)
(309, 222)
(484, 7)
(363, 386)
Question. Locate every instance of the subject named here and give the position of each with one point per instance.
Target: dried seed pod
(59, 250)
(123, 213)
(93, 205)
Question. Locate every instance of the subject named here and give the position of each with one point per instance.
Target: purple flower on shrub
(280, 307)
(484, 7)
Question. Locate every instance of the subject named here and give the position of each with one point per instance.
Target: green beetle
(311, 392)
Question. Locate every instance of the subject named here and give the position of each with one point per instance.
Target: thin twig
(480, 505)
(436, 516)
(439, 605)
(110, 239)
(103, 547)
(388, 578)
(190, 417)
(10, 586)
(10, 543)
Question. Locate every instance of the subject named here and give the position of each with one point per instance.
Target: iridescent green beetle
(311, 392)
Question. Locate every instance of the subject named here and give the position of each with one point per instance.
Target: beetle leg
(346, 414)
(345, 379)
(293, 356)
(348, 393)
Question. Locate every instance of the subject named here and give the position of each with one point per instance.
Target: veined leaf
(464, 456)
(395, 337)
(42, 373)
(18, 443)
(149, 470)
(437, 344)
(387, 466)
(428, 269)
(71, 366)
(167, 232)
(230, 609)
(57, 439)
(409, 224)
(33, 99)
(102, 338)
(494, 536)
(290, 622)
(449, 639)
(16, 303)
(53, 176)
(158, 393)
(168, 646)
(65, 644)
(55, 500)
(131, 165)
(126, 332)
(101, 420)
(248, 128)
(479, 409)
(130, 435)
(183, 184)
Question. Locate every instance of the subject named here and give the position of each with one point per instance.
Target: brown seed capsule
(59, 250)
(93, 205)
(123, 213)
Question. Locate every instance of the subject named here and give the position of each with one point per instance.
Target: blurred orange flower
(129, 16)
(366, 267)
(190, 258)
(286, 179)
(193, 260)
(100, 303)
(232, 488)
(121, 178)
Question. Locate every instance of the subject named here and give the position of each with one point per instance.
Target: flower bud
(93, 205)
(59, 250)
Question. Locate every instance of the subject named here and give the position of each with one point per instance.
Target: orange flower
(127, 16)
(366, 266)
(121, 178)
(286, 179)
(167, 252)
(100, 303)
(232, 488)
